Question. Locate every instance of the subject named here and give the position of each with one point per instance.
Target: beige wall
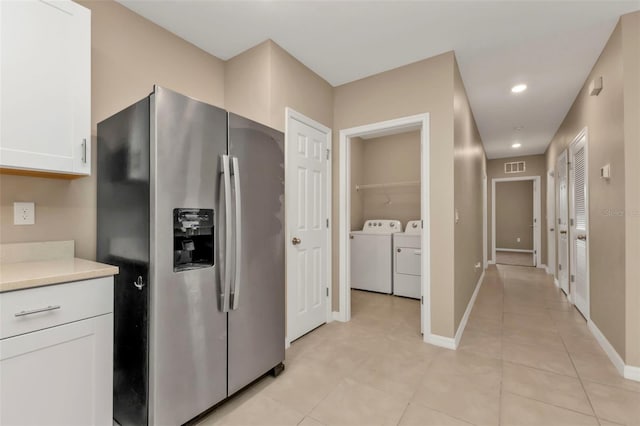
(425, 86)
(631, 73)
(357, 176)
(612, 122)
(128, 56)
(535, 166)
(469, 169)
(394, 158)
(514, 215)
(247, 83)
(262, 81)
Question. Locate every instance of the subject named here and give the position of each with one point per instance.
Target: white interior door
(579, 224)
(307, 186)
(562, 213)
(551, 223)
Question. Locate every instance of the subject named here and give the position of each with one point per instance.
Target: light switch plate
(24, 213)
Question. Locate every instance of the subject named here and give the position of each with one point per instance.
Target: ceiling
(549, 45)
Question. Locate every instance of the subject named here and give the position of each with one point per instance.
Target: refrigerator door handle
(226, 272)
(237, 234)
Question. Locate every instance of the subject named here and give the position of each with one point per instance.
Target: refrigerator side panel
(188, 329)
(257, 326)
(123, 240)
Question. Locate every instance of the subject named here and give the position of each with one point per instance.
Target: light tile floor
(514, 258)
(526, 358)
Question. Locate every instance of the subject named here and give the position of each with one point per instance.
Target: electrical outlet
(24, 213)
(518, 239)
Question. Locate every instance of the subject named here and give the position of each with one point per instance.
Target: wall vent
(515, 167)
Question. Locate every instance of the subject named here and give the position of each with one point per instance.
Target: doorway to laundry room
(385, 231)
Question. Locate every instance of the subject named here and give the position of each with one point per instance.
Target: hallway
(526, 358)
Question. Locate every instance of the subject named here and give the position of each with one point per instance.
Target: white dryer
(371, 257)
(407, 255)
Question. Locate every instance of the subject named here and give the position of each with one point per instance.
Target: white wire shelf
(388, 185)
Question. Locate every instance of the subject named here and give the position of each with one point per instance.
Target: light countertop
(24, 275)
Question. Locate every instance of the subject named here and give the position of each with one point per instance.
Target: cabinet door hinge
(327, 222)
(328, 154)
(327, 291)
(573, 278)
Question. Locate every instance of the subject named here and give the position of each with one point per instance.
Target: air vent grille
(515, 167)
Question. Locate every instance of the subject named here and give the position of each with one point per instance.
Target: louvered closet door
(579, 225)
(562, 213)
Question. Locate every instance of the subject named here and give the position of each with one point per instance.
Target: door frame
(291, 114)
(537, 234)
(398, 125)
(485, 220)
(551, 223)
(571, 193)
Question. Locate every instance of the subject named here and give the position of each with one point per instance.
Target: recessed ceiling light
(516, 145)
(519, 88)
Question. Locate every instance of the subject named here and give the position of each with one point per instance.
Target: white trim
(545, 267)
(551, 222)
(336, 316)
(443, 342)
(584, 133)
(627, 371)
(613, 355)
(491, 262)
(556, 282)
(291, 114)
(415, 122)
(467, 312)
(537, 201)
(485, 220)
(287, 343)
(514, 250)
(632, 373)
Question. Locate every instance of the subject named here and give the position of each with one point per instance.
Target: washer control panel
(382, 225)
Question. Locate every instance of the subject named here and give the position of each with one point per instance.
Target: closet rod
(387, 185)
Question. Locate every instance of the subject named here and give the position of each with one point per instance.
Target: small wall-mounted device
(596, 86)
(605, 171)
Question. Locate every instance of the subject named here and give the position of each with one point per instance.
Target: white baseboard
(491, 262)
(443, 342)
(515, 250)
(556, 282)
(337, 316)
(467, 312)
(543, 266)
(287, 343)
(627, 371)
(632, 373)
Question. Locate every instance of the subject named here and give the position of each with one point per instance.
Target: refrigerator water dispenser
(192, 239)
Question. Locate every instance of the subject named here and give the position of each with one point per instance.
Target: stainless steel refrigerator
(191, 208)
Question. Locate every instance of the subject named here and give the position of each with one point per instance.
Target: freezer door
(123, 240)
(256, 320)
(188, 356)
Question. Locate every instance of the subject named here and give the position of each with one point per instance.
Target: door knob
(295, 241)
(563, 232)
(582, 237)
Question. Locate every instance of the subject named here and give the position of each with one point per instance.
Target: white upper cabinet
(45, 86)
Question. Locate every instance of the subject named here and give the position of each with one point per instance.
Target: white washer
(407, 255)
(371, 258)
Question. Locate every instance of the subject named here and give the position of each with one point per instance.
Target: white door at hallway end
(307, 195)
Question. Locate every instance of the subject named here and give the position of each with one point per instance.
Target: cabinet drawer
(24, 311)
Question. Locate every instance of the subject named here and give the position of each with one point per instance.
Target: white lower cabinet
(61, 375)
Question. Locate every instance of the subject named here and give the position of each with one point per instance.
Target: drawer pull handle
(37, 311)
